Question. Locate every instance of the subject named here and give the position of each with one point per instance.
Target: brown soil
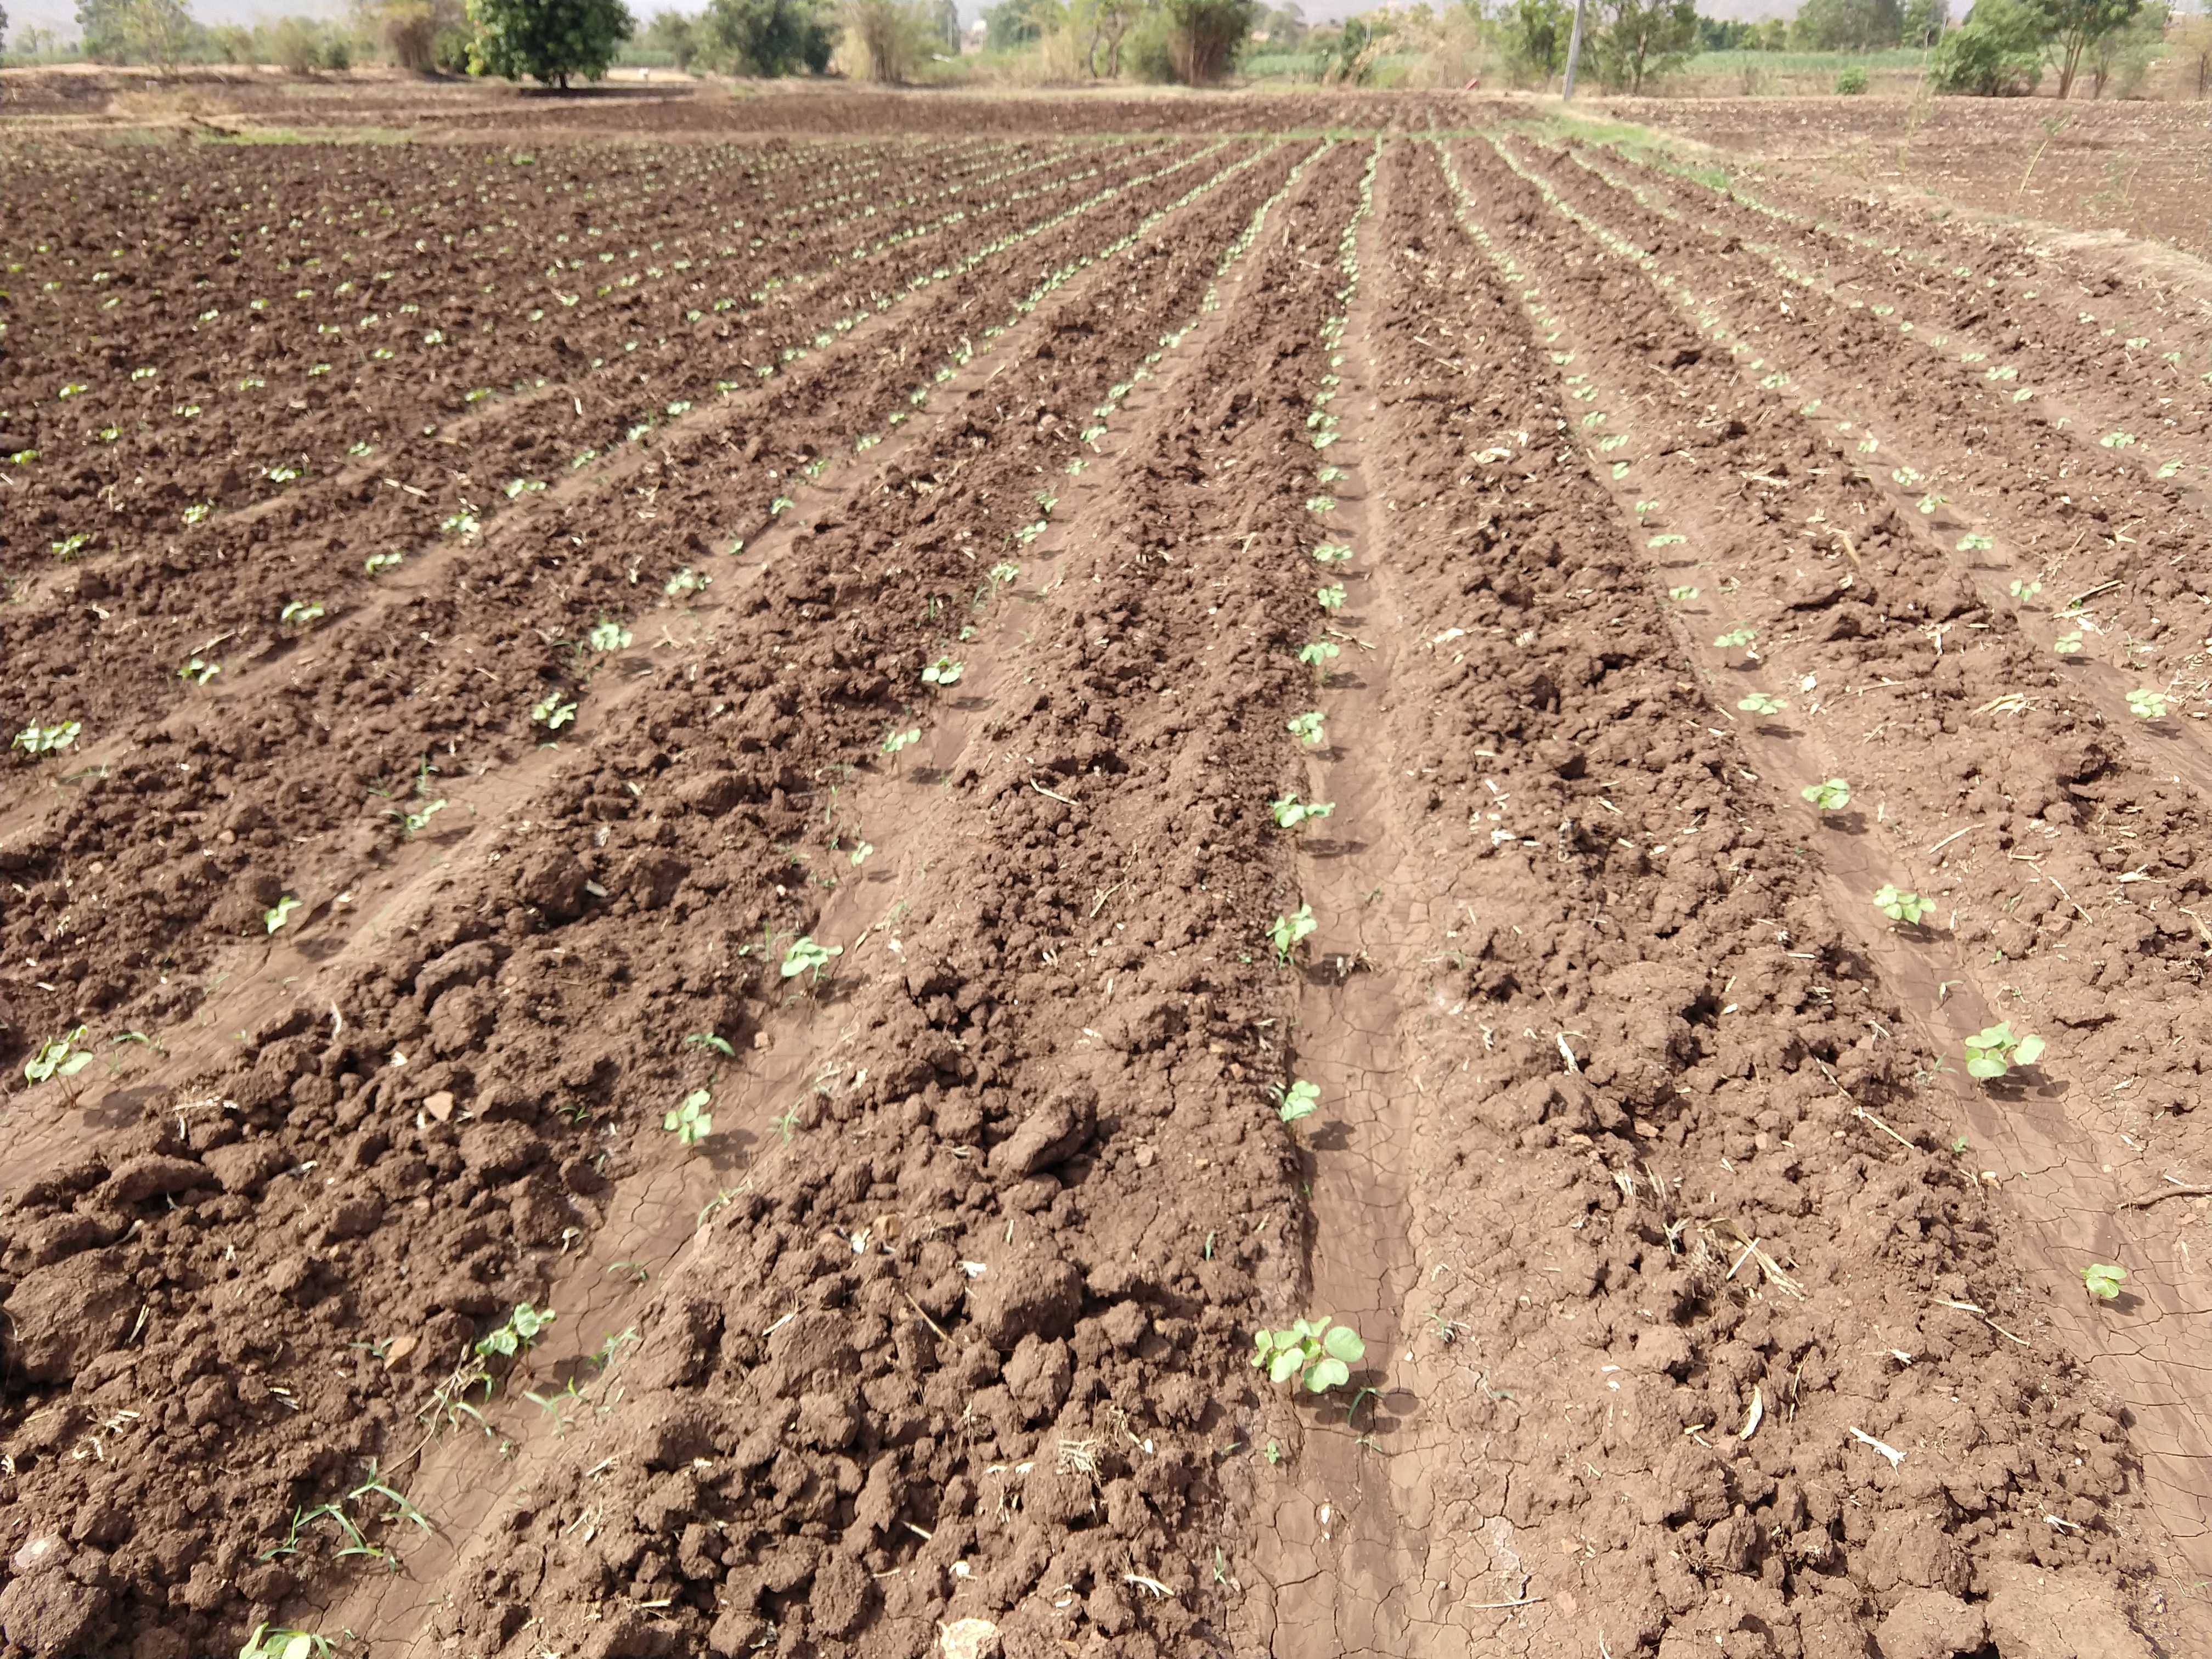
(1707, 1304)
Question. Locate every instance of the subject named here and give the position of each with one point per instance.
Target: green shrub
(1851, 83)
(1996, 53)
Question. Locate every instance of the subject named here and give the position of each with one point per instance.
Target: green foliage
(892, 37)
(1296, 1102)
(894, 742)
(548, 41)
(1332, 553)
(1831, 795)
(2102, 1279)
(36, 740)
(945, 671)
(1737, 637)
(268, 1642)
(1847, 25)
(59, 1057)
(2147, 705)
(1640, 39)
(516, 1335)
(768, 37)
(1993, 1052)
(279, 913)
(1852, 82)
(1899, 905)
(691, 1122)
(1290, 812)
(1998, 52)
(1762, 702)
(1206, 37)
(1286, 933)
(1306, 728)
(707, 1040)
(609, 635)
(552, 711)
(1317, 1354)
(1535, 33)
(1331, 598)
(805, 956)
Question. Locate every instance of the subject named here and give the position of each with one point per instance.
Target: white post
(1574, 53)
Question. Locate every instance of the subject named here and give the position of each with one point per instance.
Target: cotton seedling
(860, 851)
(277, 914)
(1899, 905)
(895, 742)
(607, 634)
(1330, 475)
(36, 740)
(2067, 645)
(691, 1121)
(2147, 705)
(59, 1057)
(686, 583)
(301, 613)
(1735, 638)
(377, 564)
(1993, 1051)
(552, 712)
(1003, 572)
(1320, 503)
(2025, 590)
(199, 671)
(413, 824)
(1829, 795)
(805, 956)
(943, 672)
(1317, 656)
(1681, 595)
(1290, 812)
(1286, 933)
(270, 1642)
(70, 545)
(1306, 728)
(1332, 553)
(1313, 1353)
(1296, 1102)
(1762, 702)
(1330, 598)
(515, 1336)
(2102, 1280)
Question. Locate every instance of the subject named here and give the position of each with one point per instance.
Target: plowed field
(666, 992)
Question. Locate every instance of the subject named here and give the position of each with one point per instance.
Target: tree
(2120, 60)
(1641, 40)
(1922, 23)
(673, 32)
(1535, 39)
(1998, 52)
(1847, 25)
(889, 36)
(548, 41)
(2073, 27)
(1206, 37)
(768, 37)
(1013, 24)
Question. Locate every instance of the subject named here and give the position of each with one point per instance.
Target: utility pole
(1574, 53)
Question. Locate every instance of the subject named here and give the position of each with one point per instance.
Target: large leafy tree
(1847, 25)
(2075, 27)
(1536, 34)
(768, 37)
(1998, 52)
(1206, 37)
(1642, 40)
(548, 41)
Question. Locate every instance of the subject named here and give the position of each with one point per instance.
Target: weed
(515, 1336)
(1273, 1453)
(805, 956)
(277, 915)
(1290, 812)
(1306, 728)
(1993, 1051)
(708, 1040)
(1316, 1353)
(2102, 1280)
(1286, 932)
(2147, 705)
(1296, 1102)
(552, 712)
(1762, 702)
(788, 1125)
(36, 740)
(1831, 795)
(944, 672)
(59, 1057)
(607, 634)
(70, 545)
(691, 1121)
(1899, 905)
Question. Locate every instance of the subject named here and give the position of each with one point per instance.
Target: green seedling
(691, 1121)
(552, 712)
(708, 1040)
(1333, 553)
(779, 506)
(1306, 728)
(71, 545)
(1681, 595)
(805, 956)
(377, 564)
(1993, 1052)
(35, 740)
(1003, 572)
(1899, 905)
(1319, 655)
(2147, 705)
(2067, 645)
(196, 512)
(402, 1508)
(1296, 1102)
(270, 1642)
(895, 742)
(515, 1336)
(59, 1057)
(277, 914)
(1831, 795)
(199, 671)
(860, 851)
(1290, 812)
(2026, 590)
(945, 671)
(1737, 637)
(413, 824)
(301, 613)
(1286, 932)
(788, 1125)
(2102, 1280)
(1331, 599)
(1317, 1354)
(684, 583)
(1762, 702)
(1320, 503)
(609, 635)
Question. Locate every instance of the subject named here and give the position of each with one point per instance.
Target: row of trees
(2004, 46)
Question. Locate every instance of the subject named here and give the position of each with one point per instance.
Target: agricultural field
(1392, 880)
